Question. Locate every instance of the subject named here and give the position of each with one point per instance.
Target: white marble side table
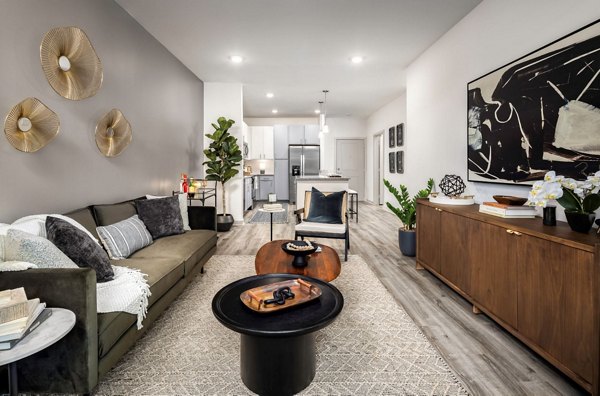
(50, 331)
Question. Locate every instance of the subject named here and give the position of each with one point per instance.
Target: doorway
(378, 168)
(350, 162)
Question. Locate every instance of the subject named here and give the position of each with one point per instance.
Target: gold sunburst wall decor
(113, 133)
(70, 63)
(30, 125)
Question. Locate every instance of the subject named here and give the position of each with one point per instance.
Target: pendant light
(323, 127)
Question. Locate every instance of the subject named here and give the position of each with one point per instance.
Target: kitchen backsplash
(255, 164)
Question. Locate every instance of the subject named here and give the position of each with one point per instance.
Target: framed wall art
(538, 113)
(399, 135)
(392, 137)
(392, 163)
(400, 162)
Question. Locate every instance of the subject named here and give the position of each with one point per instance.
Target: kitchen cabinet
(311, 134)
(282, 188)
(280, 142)
(540, 283)
(260, 142)
(303, 134)
(266, 186)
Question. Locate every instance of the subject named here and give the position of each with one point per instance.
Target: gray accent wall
(160, 97)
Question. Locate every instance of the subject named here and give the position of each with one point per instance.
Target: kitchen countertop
(322, 178)
(262, 174)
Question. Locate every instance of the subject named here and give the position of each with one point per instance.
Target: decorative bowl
(509, 200)
(300, 259)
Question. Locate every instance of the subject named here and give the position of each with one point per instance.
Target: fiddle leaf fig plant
(407, 212)
(223, 155)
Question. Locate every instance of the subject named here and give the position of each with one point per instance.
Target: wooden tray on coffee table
(303, 292)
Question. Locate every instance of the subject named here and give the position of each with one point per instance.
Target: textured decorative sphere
(452, 185)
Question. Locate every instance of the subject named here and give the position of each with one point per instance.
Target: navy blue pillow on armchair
(326, 208)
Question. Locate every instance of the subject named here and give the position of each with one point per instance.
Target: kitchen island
(322, 183)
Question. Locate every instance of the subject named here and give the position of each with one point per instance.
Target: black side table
(278, 349)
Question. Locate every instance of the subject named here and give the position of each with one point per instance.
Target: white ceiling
(297, 48)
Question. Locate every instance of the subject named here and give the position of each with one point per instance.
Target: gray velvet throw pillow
(161, 216)
(79, 247)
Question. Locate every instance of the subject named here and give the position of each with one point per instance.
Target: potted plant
(580, 198)
(223, 156)
(407, 213)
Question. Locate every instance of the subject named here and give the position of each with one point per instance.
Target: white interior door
(378, 169)
(350, 162)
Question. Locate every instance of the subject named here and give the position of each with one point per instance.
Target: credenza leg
(419, 267)
(476, 310)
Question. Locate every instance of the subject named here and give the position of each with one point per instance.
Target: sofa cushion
(124, 238)
(22, 246)
(321, 228)
(161, 216)
(113, 213)
(163, 274)
(84, 217)
(189, 247)
(79, 247)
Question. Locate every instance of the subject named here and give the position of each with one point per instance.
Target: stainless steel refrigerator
(304, 160)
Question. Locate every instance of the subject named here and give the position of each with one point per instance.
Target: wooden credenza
(540, 283)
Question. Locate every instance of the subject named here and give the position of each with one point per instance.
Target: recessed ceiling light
(236, 58)
(357, 59)
(274, 111)
(270, 95)
(317, 111)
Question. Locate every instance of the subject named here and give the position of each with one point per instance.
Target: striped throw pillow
(124, 238)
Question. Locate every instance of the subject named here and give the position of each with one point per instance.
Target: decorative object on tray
(407, 213)
(452, 185)
(300, 249)
(510, 200)
(280, 295)
(399, 135)
(392, 137)
(113, 133)
(30, 125)
(392, 162)
(507, 211)
(580, 198)
(223, 157)
(70, 63)
(462, 200)
(510, 140)
(400, 161)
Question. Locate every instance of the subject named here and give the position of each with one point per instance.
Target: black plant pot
(224, 222)
(580, 222)
(408, 242)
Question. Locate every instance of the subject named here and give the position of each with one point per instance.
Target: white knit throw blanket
(127, 292)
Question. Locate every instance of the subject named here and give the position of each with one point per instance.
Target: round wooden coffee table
(271, 259)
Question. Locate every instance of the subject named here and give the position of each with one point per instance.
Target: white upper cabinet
(311, 134)
(261, 142)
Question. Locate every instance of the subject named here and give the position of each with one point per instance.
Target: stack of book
(272, 207)
(507, 211)
(19, 316)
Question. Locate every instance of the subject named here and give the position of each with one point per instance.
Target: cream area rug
(373, 348)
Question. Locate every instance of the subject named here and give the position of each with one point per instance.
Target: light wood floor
(488, 359)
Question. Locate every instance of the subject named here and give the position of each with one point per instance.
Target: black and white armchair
(325, 215)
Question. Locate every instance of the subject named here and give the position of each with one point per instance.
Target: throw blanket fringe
(127, 292)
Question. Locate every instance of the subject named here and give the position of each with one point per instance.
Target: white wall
(386, 117)
(159, 96)
(226, 100)
(493, 34)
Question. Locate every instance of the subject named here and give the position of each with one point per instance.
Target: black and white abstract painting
(392, 137)
(400, 162)
(392, 163)
(399, 135)
(538, 113)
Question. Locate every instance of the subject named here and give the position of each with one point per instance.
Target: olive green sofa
(77, 362)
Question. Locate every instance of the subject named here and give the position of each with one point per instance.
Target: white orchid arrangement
(580, 196)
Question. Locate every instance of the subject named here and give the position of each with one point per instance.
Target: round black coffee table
(278, 351)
